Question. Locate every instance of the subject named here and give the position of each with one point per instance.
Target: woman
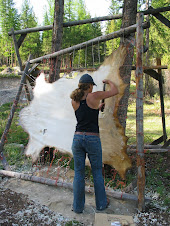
(87, 141)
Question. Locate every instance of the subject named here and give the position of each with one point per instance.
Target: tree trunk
(129, 18)
(57, 40)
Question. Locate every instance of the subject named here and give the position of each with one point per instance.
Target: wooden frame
(139, 79)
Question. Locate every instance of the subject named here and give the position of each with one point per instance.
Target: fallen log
(59, 183)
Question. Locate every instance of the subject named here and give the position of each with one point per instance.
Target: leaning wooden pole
(139, 115)
(116, 34)
(20, 62)
(162, 100)
(16, 49)
(14, 106)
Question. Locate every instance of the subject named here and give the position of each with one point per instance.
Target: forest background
(39, 43)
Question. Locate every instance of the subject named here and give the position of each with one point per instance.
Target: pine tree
(159, 34)
(48, 20)
(8, 19)
(113, 25)
(32, 43)
(46, 36)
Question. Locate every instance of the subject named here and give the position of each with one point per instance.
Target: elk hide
(50, 120)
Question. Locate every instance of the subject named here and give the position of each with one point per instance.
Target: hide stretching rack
(138, 28)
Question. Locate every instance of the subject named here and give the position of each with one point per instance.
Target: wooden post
(139, 115)
(13, 108)
(147, 53)
(55, 63)
(162, 100)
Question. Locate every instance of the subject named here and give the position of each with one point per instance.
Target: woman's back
(87, 118)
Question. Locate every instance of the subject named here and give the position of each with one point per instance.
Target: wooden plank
(92, 20)
(116, 34)
(139, 115)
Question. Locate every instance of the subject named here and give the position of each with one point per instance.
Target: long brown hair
(78, 93)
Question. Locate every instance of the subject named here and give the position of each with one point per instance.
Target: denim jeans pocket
(77, 143)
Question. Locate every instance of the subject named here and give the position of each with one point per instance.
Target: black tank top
(87, 118)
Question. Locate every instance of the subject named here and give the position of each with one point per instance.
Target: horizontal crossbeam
(92, 20)
(122, 32)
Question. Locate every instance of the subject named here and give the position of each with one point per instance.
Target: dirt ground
(32, 203)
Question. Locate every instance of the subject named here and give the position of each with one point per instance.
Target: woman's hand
(106, 81)
(101, 107)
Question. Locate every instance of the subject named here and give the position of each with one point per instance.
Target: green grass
(15, 135)
(12, 75)
(152, 120)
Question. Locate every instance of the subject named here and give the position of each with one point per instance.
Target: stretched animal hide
(50, 120)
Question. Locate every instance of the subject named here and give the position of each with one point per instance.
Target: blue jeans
(90, 145)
